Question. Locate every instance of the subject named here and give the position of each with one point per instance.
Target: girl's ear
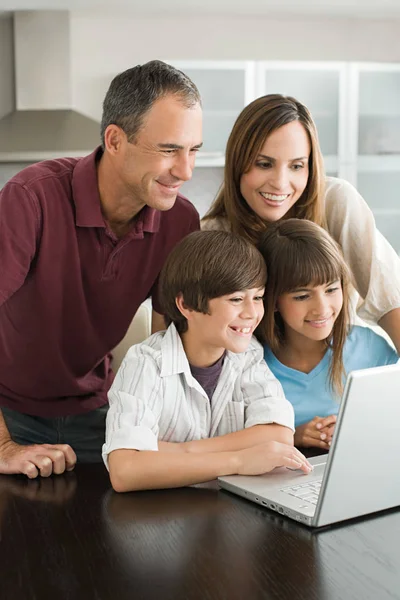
(183, 309)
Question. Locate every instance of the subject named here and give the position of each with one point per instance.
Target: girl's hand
(317, 433)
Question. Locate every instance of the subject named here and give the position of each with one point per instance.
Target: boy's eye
(236, 300)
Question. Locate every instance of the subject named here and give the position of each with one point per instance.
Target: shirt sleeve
(263, 394)
(19, 233)
(374, 263)
(381, 351)
(134, 397)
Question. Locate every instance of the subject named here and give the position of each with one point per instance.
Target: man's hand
(265, 457)
(317, 433)
(43, 459)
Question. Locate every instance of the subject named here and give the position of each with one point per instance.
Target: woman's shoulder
(215, 224)
(339, 191)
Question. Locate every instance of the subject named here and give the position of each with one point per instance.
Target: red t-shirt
(68, 287)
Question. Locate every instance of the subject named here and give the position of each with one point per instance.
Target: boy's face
(230, 324)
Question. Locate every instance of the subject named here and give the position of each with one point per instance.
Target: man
(82, 242)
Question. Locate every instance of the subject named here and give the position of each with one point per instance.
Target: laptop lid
(361, 474)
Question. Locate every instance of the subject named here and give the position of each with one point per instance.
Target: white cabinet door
(321, 87)
(378, 144)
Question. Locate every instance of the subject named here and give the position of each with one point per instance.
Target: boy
(198, 401)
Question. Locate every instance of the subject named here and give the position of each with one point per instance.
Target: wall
(6, 66)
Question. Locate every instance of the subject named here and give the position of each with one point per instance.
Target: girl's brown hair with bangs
(299, 253)
(252, 127)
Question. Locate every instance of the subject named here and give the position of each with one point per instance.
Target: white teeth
(274, 197)
(243, 329)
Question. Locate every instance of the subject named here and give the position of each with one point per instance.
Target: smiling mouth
(276, 198)
(242, 330)
(318, 322)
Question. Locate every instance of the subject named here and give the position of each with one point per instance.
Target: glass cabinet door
(225, 88)
(320, 87)
(378, 155)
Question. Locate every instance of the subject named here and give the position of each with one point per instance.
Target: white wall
(104, 44)
(6, 66)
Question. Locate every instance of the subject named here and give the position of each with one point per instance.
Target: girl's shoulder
(215, 224)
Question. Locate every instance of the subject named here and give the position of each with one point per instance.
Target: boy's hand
(317, 433)
(265, 457)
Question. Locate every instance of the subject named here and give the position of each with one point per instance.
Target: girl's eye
(300, 297)
(332, 290)
(258, 298)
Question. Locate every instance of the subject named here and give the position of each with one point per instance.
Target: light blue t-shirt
(310, 393)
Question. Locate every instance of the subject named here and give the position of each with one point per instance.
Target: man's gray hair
(132, 94)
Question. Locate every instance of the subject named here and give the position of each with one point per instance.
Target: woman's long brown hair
(252, 127)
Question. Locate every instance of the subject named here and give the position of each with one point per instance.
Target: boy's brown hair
(206, 265)
(299, 253)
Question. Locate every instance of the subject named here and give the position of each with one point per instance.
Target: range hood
(44, 124)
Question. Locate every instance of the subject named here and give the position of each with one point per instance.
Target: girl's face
(280, 173)
(310, 312)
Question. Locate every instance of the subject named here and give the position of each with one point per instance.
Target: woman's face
(279, 175)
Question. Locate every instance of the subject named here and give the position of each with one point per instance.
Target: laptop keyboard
(305, 491)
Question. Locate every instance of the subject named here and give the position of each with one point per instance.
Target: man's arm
(33, 460)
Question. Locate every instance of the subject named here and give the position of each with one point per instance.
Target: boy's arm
(238, 440)
(132, 470)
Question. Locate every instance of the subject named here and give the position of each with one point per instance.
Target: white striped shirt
(155, 397)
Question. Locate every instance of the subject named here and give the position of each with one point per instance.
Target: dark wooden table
(71, 538)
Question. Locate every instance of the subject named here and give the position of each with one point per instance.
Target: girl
(274, 170)
(308, 344)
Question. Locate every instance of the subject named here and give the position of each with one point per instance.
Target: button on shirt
(155, 397)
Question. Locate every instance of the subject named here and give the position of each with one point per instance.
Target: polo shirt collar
(87, 198)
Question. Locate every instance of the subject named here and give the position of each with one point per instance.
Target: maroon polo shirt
(68, 287)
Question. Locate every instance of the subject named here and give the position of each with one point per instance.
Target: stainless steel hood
(44, 123)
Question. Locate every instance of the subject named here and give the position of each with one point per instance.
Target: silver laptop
(360, 475)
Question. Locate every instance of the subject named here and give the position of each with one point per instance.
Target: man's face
(153, 167)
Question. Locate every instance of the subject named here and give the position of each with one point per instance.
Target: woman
(274, 170)
(308, 343)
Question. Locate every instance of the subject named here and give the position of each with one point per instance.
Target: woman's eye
(297, 167)
(263, 165)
